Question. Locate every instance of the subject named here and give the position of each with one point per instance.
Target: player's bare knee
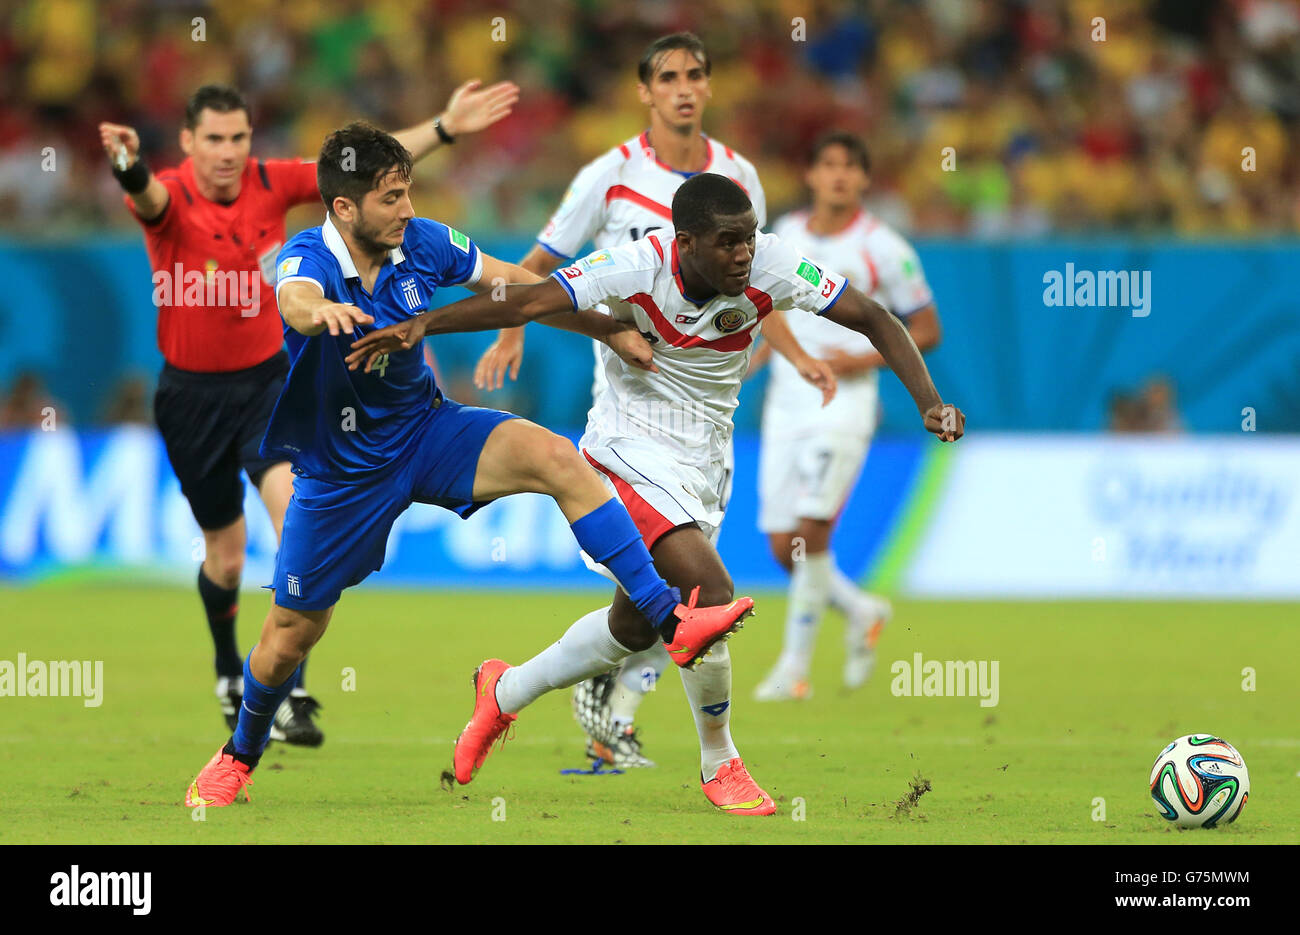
(782, 546)
(815, 535)
(554, 462)
(224, 570)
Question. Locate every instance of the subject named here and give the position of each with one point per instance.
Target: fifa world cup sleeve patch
(460, 241)
(288, 267)
(810, 272)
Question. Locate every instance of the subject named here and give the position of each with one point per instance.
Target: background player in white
(659, 437)
(811, 457)
(616, 199)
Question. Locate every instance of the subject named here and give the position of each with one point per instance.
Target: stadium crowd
(1175, 116)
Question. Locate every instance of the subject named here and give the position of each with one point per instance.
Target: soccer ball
(1200, 781)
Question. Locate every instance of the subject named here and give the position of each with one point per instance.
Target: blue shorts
(335, 534)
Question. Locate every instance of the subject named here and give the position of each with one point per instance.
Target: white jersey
(702, 350)
(877, 262)
(627, 193)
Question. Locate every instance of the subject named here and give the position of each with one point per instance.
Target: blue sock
(610, 537)
(258, 710)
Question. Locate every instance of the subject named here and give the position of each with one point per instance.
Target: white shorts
(807, 476)
(659, 490)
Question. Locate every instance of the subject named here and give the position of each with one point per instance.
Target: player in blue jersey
(365, 444)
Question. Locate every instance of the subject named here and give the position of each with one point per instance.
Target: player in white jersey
(697, 297)
(618, 198)
(811, 457)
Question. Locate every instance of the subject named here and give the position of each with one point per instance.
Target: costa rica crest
(729, 320)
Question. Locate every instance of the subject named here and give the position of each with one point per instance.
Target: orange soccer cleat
(486, 724)
(733, 790)
(700, 627)
(219, 782)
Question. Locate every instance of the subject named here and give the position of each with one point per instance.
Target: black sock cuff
(247, 759)
(216, 599)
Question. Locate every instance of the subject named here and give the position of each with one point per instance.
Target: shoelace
(736, 774)
(242, 781)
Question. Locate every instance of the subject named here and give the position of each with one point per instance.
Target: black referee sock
(222, 605)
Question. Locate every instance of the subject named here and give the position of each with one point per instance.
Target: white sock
(637, 677)
(585, 649)
(846, 597)
(708, 689)
(810, 590)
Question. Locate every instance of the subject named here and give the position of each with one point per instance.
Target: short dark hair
(857, 150)
(703, 198)
(353, 159)
(678, 40)
(219, 97)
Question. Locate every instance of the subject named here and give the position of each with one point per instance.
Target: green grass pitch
(1089, 693)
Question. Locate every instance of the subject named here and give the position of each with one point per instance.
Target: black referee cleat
(293, 722)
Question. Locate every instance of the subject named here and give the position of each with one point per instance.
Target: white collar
(334, 243)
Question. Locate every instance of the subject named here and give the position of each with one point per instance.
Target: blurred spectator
(130, 403)
(1152, 409)
(29, 405)
(1184, 118)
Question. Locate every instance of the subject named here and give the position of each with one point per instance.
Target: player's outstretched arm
(922, 325)
(504, 306)
(782, 340)
(889, 336)
(122, 144)
(471, 108)
(306, 310)
(506, 353)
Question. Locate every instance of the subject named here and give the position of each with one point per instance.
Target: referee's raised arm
(122, 144)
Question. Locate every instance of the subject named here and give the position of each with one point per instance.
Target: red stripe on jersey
(622, 191)
(762, 301)
(871, 271)
(654, 242)
(730, 154)
(644, 140)
(732, 342)
(622, 148)
(742, 187)
(652, 524)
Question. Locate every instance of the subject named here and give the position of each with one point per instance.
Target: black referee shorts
(212, 425)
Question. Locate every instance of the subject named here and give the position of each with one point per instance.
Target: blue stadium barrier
(1223, 324)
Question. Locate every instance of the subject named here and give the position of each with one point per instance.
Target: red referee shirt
(214, 264)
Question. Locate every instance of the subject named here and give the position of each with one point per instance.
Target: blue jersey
(335, 423)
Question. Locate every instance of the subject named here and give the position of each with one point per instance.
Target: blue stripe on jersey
(843, 288)
(340, 424)
(555, 253)
(573, 297)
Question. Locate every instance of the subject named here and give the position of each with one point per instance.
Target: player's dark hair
(856, 149)
(353, 160)
(704, 198)
(218, 97)
(645, 69)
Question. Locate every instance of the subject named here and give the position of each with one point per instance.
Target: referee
(213, 226)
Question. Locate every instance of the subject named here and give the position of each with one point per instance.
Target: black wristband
(135, 179)
(442, 134)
